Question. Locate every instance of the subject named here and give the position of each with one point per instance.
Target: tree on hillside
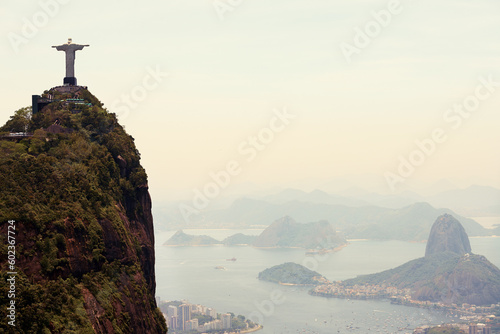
(19, 122)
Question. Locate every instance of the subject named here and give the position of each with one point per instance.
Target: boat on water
(233, 259)
(220, 268)
(318, 251)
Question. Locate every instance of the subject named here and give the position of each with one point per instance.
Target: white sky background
(226, 77)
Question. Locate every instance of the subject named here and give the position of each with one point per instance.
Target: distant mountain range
(367, 222)
(316, 196)
(405, 216)
(448, 273)
(472, 201)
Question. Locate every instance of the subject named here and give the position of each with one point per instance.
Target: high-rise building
(218, 324)
(226, 320)
(208, 326)
(479, 329)
(184, 314)
(173, 322)
(211, 312)
(172, 311)
(192, 324)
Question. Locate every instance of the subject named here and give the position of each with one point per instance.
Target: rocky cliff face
(447, 235)
(84, 228)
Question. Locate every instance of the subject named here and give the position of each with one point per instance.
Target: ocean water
(189, 273)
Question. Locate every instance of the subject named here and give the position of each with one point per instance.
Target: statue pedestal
(70, 81)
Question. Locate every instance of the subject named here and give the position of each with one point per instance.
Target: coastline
(326, 250)
(294, 284)
(276, 247)
(321, 251)
(251, 330)
(481, 311)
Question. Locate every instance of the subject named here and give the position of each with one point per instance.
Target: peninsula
(448, 275)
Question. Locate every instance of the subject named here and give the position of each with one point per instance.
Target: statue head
(70, 40)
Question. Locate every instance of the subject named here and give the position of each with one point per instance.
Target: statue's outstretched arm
(79, 47)
(61, 47)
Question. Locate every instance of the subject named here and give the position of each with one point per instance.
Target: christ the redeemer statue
(70, 50)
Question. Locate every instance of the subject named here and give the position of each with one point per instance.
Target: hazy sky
(360, 81)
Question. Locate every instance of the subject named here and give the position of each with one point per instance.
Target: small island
(291, 273)
(182, 239)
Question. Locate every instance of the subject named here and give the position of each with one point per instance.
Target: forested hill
(78, 195)
(291, 273)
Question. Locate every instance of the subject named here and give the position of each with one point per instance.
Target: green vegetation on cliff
(84, 234)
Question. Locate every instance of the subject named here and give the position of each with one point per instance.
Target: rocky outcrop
(447, 235)
(449, 272)
(84, 227)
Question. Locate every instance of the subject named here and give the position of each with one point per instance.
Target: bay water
(190, 273)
